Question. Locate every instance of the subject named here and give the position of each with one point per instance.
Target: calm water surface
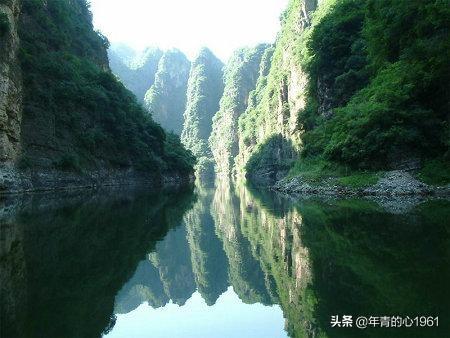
(223, 261)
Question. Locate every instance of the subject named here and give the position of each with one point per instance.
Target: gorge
(328, 108)
(334, 105)
(151, 192)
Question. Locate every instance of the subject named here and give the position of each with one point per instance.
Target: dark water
(220, 262)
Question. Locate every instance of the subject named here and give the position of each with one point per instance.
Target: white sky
(221, 25)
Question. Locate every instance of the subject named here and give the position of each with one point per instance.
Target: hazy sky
(221, 25)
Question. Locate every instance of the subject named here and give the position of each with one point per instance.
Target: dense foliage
(353, 85)
(205, 88)
(76, 115)
(166, 99)
(384, 65)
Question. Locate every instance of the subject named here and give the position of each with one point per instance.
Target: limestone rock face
(10, 83)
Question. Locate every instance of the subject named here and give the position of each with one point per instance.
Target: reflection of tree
(245, 272)
(13, 291)
(209, 263)
(78, 252)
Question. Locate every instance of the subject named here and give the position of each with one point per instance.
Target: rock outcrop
(269, 130)
(10, 82)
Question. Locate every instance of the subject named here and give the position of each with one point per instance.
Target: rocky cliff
(240, 77)
(78, 125)
(166, 99)
(204, 91)
(345, 94)
(10, 82)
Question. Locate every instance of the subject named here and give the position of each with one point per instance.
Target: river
(222, 261)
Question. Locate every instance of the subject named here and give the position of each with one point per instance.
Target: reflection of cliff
(274, 233)
(77, 253)
(144, 286)
(209, 262)
(188, 258)
(246, 276)
(350, 257)
(166, 274)
(172, 259)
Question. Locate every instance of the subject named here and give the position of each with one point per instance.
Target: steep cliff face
(205, 88)
(346, 92)
(376, 95)
(79, 125)
(241, 74)
(166, 99)
(10, 82)
(269, 126)
(136, 71)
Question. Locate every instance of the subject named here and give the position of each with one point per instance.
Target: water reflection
(64, 258)
(229, 262)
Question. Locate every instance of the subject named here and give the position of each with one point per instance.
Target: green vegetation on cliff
(76, 115)
(205, 88)
(357, 84)
(268, 130)
(240, 78)
(166, 99)
(384, 65)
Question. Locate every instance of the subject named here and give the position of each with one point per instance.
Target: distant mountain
(166, 99)
(135, 70)
(205, 88)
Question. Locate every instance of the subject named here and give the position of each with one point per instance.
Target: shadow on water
(64, 257)
(70, 265)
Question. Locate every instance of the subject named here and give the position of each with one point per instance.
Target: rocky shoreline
(395, 183)
(13, 181)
